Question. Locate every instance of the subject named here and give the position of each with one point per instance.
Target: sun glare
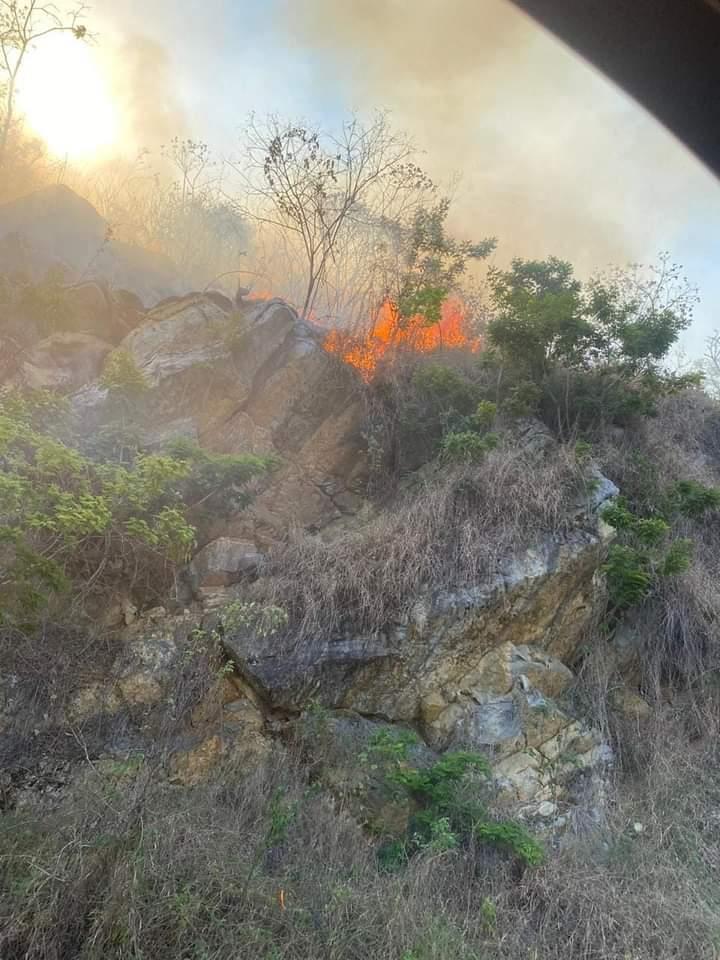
(66, 100)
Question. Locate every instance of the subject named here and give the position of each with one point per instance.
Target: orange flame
(391, 330)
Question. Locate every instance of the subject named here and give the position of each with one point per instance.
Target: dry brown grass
(677, 629)
(130, 867)
(450, 528)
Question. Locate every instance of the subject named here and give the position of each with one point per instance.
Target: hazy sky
(553, 158)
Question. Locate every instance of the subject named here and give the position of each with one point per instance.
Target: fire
(391, 330)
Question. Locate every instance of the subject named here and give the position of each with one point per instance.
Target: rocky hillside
(419, 658)
(479, 665)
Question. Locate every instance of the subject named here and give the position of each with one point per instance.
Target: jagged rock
(192, 766)
(544, 672)
(63, 362)
(228, 725)
(542, 599)
(223, 562)
(603, 489)
(256, 381)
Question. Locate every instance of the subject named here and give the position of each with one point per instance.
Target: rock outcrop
(62, 362)
(258, 381)
(483, 668)
(55, 228)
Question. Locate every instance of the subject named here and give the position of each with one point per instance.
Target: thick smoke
(145, 90)
(554, 159)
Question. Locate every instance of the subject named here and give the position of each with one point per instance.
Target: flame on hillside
(391, 330)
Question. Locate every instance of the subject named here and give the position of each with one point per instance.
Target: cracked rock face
(483, 668)
(452, 646)
(251, 380)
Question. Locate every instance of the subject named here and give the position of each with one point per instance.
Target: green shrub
(121, 374)
(629, 578)
(466, 445)
(593, 350)
(692, 499)
(445, 815)
(647, 549)
(68, 520)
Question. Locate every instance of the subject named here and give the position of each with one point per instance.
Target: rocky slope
(485, 666)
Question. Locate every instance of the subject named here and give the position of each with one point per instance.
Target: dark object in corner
(664, 53)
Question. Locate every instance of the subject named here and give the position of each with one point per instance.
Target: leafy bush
(466, 445)
(433, 262)
(444, 817)
(218, 483)
(593, 350)
(647, 550)
(68, 519)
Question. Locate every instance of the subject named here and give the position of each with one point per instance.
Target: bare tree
(711, 364)
(22, 25)
(321, 191)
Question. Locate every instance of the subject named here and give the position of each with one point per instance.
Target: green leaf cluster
(646, 549)
(65, 519)
(433, 262)
(446, 815)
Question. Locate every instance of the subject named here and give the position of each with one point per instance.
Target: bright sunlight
(66, 99)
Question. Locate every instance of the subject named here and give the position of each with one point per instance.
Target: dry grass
(130, 867)
(677, 630)
(450, 528)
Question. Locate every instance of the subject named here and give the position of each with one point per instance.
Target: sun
(64, 95)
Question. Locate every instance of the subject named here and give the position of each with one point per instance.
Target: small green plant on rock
(264, 620)
(444, 816)
(122, 375)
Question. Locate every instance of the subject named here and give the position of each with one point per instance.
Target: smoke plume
(554, 158)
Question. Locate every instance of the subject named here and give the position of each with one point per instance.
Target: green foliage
(262, 620)
(444, 814)
(433, 262)
(121, 375)
(678, 558)
(218, 482)
(465, 445)
(647, 549)
(446, 392)
(544, 316)
(538, 318)
(120, 372)
(523, 399)
(485, 414)
(512, 836)
(628, 577)
(692, 499)
(66, 519)
(592, 350)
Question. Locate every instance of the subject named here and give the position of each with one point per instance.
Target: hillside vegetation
(384, 627)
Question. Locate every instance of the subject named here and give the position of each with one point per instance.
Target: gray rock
(63, 362)
(223, 562)
(56, 228)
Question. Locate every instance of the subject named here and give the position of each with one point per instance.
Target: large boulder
(451, 647)
(252, 380)
(482, 668)
(222, 563)
(63, 362)
(54, 228)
